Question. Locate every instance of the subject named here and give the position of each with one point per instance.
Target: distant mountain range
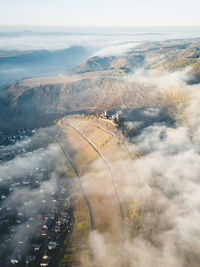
(20, 64)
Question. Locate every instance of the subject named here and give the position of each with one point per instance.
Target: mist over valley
(99, 147)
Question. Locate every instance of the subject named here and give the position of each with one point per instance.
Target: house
(45, 261)
(52, 245)
(64, 214)
(36, 247)
(57, 229)
(44, 233)
(46, 224)
(29, 259)
(16, 257)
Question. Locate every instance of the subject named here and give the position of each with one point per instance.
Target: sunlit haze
(100, 133)
(100, 13)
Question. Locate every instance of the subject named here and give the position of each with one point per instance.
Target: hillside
(100, 83)
(99, 160)
(17, 65)
(124, 135)
(92, 210)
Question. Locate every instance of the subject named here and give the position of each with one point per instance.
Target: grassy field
(96, 182)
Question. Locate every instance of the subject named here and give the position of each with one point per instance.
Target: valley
(110, 142)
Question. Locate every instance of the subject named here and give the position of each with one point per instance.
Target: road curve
(92, 221)
(111, 175)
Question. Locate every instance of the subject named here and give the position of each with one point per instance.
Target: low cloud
(160, 80)
(116, 50)
(159, 190)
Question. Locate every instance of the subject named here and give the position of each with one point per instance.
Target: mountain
(99, 83)
(97, 63)
(103, 168)
(21, 64)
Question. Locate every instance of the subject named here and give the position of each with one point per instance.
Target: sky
(100, 12)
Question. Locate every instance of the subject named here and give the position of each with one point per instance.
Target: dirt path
(119, 138)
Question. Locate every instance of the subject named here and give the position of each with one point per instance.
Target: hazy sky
(100, 12)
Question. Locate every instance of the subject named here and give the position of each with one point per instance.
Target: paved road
(113, 182)
(92, 222)
(112, 178)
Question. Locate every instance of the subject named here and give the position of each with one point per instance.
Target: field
(95, 182)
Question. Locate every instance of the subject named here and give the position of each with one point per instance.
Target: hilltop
(100, 83)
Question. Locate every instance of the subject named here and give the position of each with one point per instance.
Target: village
(52, 224)
(35, 235)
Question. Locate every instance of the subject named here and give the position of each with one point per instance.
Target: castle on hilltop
(114, 118)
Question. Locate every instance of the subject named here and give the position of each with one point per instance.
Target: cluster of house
(53, 228)
(31, 235)
(51, 224)
(10, 139)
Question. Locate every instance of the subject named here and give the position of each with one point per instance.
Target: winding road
(92, 222)
(112, 178)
